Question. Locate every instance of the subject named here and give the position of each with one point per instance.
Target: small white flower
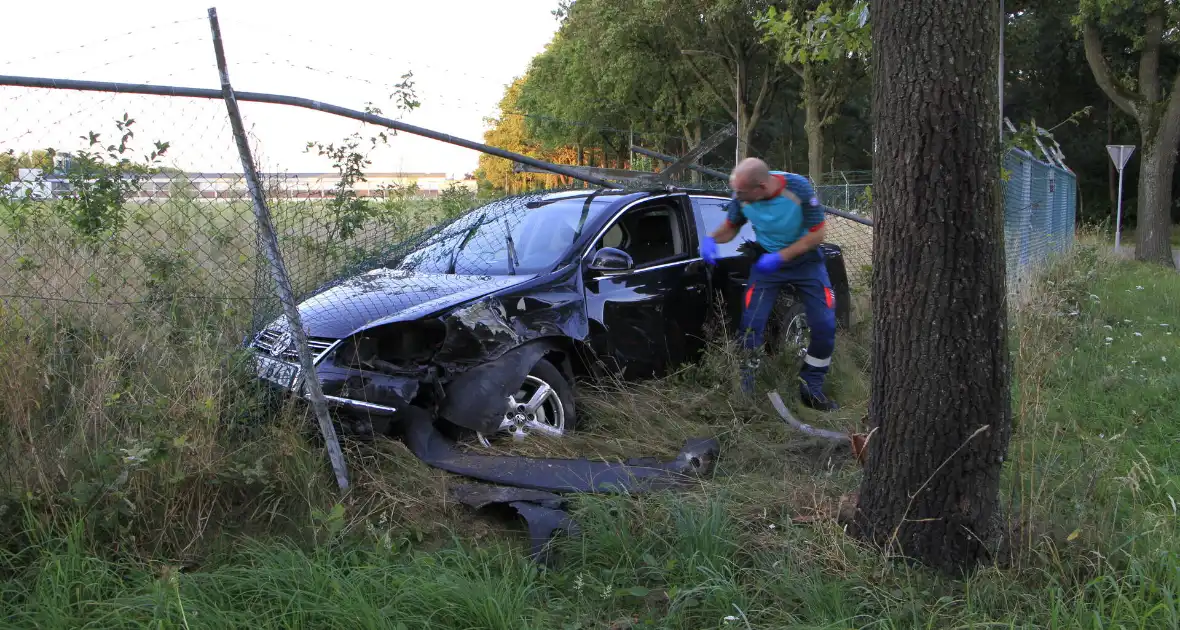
(1108, 340)
(1102, 435)
(1133, 361)
(1138, 334)
(729, 618)
(1126, 321)
(1138, 288)
(772, 525)
(1164, 359)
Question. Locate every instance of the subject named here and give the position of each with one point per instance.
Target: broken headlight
(400, 348)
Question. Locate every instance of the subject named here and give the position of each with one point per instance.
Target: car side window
(713, 212)
(650, 235)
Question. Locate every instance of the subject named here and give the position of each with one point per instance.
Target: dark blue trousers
(811, 280)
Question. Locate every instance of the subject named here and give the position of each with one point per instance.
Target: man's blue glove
(769, 262)
(709, 250)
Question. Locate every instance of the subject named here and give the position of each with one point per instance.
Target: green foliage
(8, 167)
(830, 32)
(455, 200)
(1126, 18)
(1027, 134)
(347, 212)
(101, 180)
(828, 47)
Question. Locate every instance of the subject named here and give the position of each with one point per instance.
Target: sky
(462, 53)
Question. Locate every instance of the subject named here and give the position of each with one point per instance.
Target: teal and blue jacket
(780, 221)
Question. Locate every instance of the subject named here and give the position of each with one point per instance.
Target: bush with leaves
(101, 181)
(347, 212)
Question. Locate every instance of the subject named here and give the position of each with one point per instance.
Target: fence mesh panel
(99, 217)
(1039, 214)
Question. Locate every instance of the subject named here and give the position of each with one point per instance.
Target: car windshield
(507, 237)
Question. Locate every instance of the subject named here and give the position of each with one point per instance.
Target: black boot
(811, 388)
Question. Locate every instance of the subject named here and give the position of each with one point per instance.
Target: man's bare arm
(725, 232)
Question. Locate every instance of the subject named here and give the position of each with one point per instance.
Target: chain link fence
(1040, 210)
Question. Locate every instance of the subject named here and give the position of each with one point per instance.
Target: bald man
(788, 223)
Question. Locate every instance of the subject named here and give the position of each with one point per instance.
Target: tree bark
(1111, 172)
(940, 369)
(1153, 223)
(813, 125)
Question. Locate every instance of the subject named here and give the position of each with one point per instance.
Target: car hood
(386, 295)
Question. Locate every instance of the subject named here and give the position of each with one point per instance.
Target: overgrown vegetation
(149, 486)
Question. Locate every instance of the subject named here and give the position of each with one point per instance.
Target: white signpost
(1119, 154)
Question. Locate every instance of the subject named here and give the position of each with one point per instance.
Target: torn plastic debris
(480, 496)
(425, 441)
(466, 403)
(541, 511)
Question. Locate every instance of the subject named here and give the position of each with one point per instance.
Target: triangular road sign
(1119, 154)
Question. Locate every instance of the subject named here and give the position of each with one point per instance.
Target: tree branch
(756, 111)
(1149, 61)
(701, 77)
(1118, 95)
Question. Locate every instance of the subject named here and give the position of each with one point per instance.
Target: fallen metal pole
(295, 101)
(670, 159)
(278, 269)
(719, 174)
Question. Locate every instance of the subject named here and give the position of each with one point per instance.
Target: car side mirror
(609, 259)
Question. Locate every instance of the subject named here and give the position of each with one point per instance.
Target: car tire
(549, 374)
(545, 372)
(789, 330)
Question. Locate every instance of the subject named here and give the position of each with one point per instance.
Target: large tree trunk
(813, 125)
(1153, 222)
(940, 369)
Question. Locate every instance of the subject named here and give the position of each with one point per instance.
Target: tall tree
(826, 46)
(508, 131)
(604, 76)
(722, 48)
(1151, 27)
(940, 369)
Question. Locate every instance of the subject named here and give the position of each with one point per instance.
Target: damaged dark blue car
(490, 322)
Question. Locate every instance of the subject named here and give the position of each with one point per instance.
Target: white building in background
(233, 185)
(28, 183)
(300, 185)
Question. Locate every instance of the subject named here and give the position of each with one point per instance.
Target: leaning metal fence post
(278, 269)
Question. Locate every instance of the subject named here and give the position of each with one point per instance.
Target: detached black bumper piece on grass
(529, 483)
(541, 510)
(425, 441)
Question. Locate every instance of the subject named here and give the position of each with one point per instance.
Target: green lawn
(1093, 477)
